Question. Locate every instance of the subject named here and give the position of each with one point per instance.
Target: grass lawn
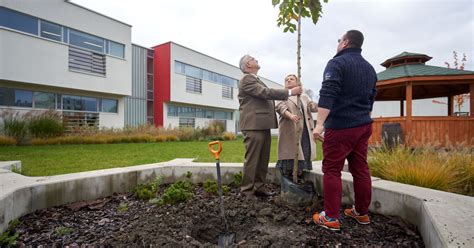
(62, 159)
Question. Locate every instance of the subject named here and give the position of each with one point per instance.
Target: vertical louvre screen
(193, 85)
(87, 61)
(227, 92)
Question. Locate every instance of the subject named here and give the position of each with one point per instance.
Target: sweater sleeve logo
(327, 76)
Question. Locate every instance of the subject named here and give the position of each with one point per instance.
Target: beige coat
(257, 108)
(287, 128)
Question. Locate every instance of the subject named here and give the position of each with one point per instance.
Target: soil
(256, 222)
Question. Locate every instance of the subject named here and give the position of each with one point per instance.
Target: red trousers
(350, 144)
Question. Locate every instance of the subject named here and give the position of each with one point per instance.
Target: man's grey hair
(243, 61)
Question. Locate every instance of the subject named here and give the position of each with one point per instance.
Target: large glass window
(86, 41)
(186, 122)
(179, 67)
(221, 115)
(109, 105)
(172, 110)
(18, 21)
(51, 31)
(23, 98)
(187, 112)
(79, 103)
(90, 103)
(45, 100)
(193, 71)
(116, 49)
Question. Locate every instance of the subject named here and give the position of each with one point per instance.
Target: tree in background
(459, 99)
(291, 12)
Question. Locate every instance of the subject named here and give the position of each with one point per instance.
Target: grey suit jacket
(257, 108)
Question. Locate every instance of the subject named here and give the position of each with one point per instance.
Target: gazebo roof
(415, 70)
(428, 81)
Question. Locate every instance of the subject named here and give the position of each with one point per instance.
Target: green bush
(177, 192)
(63, 231)
(147, 191)
(14, 125)
(210, 187)
(45, 125)
(8, 238)
(451, 171)
(238, 178)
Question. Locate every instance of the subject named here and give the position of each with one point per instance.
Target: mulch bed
(122, 220)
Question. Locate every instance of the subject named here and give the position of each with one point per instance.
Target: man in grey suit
(257, 117)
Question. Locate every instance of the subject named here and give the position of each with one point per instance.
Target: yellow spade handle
(217, 152)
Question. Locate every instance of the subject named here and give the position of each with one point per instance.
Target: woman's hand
(294, 118)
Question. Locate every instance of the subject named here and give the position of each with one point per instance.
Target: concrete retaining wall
(444, 219)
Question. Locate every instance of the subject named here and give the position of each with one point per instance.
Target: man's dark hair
(355, 38)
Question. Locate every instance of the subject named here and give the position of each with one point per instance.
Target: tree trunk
(298, 62)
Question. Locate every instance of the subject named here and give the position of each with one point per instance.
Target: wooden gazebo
(408, 78)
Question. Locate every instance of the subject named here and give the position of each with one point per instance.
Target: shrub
(15, 125)
(228, 136)
(238, 178)
(210, 187)
(428, 167)
(186, 134)
(177, 192)
(147, 191)
(214, 128)
(46, 124)
(7, 141)
(122, 208)
(62, 231)
(8, 238)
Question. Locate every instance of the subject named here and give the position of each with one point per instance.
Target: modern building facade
(139, 105)
(59, 55)
(195, 89)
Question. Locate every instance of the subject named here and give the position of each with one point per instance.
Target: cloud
(228, 29)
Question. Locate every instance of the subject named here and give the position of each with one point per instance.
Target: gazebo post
(450, 105)
(409, 96)
(401, 108)
(471, 100)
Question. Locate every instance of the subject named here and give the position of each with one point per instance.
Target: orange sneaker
(361, 219)
(321, 219)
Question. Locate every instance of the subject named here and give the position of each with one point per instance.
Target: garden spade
(226, 239)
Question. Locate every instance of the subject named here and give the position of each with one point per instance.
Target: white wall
(32, 59)
(38, 61)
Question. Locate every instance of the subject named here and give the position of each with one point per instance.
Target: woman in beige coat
(287, 131)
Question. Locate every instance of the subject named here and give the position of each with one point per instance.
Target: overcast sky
(228, 29)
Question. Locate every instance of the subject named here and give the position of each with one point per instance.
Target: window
(187, 112)
(193, 85)
(87, 41)
(149, 82)
(178, 67)
(44, 100)
(87, 61)
(79, 103)
(220, 115)
(172, 110)
(186, 122)
(210, 114)
(23, 98)
(200, 113)
(50, 31)
(116, 49)
(109, 105)
(18, 21)
(193, 71)
(227, 92)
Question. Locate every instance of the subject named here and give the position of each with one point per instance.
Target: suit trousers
(350, 143)
(257, 155)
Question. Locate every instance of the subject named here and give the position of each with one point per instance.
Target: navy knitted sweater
(348, 90)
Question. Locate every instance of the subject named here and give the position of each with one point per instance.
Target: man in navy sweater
(344, 109)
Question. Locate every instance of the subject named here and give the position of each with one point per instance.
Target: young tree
(459, 99)
(291, 12)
